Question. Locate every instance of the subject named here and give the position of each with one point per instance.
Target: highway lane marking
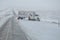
(8, 32)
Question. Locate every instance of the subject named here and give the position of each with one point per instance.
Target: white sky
(31, 4)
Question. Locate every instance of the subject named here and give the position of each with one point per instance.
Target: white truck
(34, 17)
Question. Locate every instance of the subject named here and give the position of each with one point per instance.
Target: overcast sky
(31, 4)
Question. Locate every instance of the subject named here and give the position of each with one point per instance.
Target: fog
(45, 29)
(31, 4)
(45, 8)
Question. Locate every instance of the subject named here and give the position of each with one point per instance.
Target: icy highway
(10, 30)
(13, 29)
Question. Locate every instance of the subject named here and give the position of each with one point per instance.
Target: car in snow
(34, 18)
(21, 17)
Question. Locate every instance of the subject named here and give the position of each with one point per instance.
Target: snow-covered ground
(40, 30)
(49, 11)
(46, 29)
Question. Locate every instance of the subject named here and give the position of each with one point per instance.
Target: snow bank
(49, 20)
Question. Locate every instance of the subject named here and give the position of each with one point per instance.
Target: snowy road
(12, 31)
